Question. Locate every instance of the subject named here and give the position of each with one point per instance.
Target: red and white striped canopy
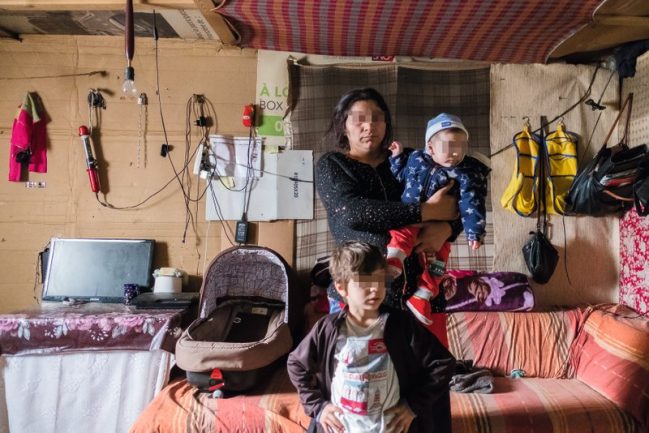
(507, 31)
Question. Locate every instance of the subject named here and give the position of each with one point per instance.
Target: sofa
(577, 370)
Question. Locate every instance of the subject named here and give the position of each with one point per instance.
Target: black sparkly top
(362, 202)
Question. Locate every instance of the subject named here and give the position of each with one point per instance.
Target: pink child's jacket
(29, 132)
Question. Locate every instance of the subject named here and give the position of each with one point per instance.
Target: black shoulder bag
(614, 179)
(540, 256)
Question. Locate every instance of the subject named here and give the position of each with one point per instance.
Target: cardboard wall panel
(588, 247)
(66, 207)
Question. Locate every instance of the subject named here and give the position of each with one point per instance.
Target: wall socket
(35, 184)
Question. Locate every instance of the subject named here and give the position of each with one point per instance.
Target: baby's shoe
(419, 304)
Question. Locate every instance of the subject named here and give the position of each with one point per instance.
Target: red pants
(404, 239)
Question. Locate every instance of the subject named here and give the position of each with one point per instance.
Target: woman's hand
(441, 206)
(329, 419)
(432, 236)
(402, 418)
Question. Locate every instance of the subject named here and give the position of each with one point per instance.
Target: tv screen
(96, 269)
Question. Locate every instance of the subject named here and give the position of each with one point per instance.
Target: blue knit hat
(444, 121)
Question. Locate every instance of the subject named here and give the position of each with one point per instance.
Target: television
(95, 270)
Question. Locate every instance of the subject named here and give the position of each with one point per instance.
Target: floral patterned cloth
(634, 261)
(466, 290)
(61, 328)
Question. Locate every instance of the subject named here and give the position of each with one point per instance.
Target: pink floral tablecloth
(60, 328)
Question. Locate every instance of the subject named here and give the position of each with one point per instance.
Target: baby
(423, 172)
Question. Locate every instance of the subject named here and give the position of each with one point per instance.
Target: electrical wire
(206, 237)
(227, 230)
(592, 132)
(581, 158)
(250, 173)
(102, 73)
(204, 114)
(183, 176)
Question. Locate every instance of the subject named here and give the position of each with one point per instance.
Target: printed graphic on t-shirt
(363, 364)
(364, 383)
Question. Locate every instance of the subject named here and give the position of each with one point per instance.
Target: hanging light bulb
(128, 86)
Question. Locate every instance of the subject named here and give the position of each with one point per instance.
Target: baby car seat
(245, 323)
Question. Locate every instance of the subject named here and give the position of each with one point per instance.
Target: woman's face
(365, 128)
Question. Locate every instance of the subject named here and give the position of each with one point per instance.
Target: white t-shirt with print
(364, 383)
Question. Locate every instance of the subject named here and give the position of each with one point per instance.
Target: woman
(358, 190)
(363, 199)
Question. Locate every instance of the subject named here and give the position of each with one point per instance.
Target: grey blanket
(480, 381)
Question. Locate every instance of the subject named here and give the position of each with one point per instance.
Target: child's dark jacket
(423, 366)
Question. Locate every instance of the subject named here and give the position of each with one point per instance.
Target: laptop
(95, 270)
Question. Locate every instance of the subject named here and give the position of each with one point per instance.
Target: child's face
(448, 147)
(364, 292)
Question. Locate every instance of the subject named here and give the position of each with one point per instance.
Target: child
(370, 368)
(425, 172)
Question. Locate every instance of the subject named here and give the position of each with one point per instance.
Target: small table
(88, 368)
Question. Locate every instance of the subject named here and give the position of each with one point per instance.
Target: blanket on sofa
(181, 408)
(548, 405)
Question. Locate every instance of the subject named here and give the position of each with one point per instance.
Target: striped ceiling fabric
(506, 31)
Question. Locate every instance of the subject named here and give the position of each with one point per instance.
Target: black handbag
(607, 184)
(540, 256)
(641, 196)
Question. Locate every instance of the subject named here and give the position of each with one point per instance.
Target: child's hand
(396, 148)
(329, 419)
(402, 418)
(474, 244)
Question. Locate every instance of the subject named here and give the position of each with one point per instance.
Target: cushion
(611, 355)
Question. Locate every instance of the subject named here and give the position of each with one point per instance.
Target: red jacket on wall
(29, 134)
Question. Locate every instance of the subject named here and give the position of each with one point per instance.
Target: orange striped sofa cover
(586, 370)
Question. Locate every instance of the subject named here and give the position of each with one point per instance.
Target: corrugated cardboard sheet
(590, 244)
(67, 207)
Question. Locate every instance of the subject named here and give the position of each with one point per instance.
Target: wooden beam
(69, 5)
(221, 26)
(621, 20)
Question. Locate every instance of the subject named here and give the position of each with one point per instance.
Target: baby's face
(448, 147)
